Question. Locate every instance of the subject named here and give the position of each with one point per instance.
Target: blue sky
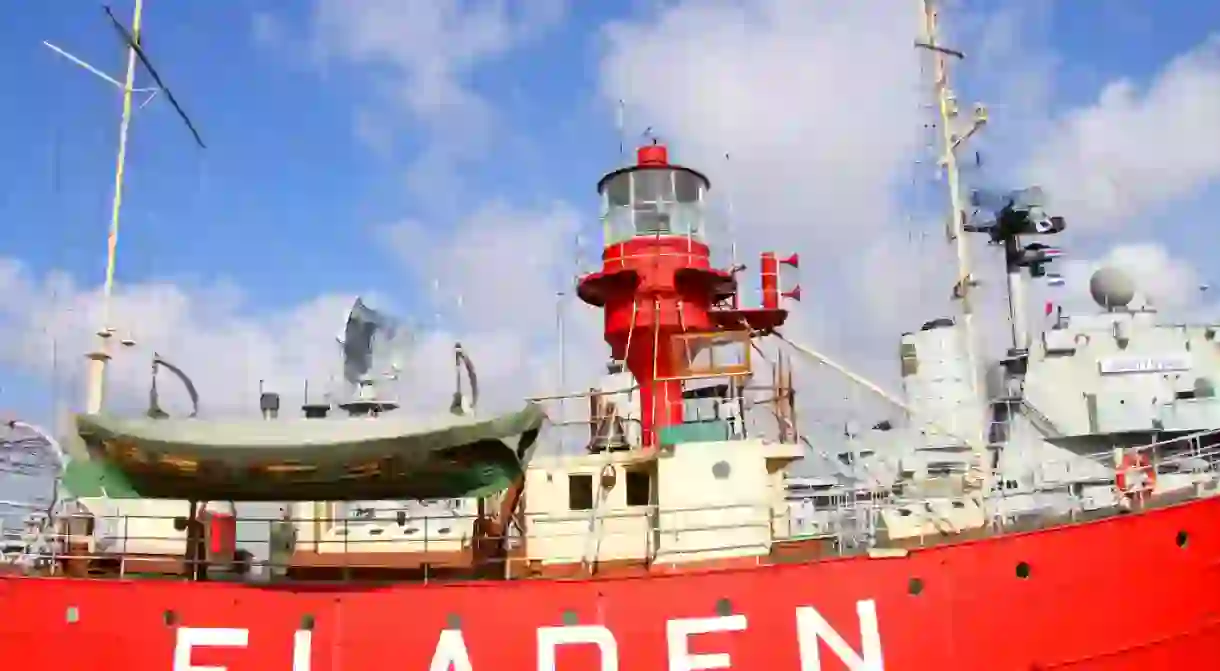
(316, 145)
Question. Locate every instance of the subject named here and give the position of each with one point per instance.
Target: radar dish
(371, 341)
(1111, 287)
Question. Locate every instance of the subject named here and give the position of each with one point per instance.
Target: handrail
(851, 514)
(850, 521)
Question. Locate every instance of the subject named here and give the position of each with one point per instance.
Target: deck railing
(846, 518)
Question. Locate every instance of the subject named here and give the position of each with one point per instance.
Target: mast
(99, 358)
(95, 379)
(950, 141)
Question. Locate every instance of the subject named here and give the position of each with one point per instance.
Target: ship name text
(1123, 365)
(814, 636)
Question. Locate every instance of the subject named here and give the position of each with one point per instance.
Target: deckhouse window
(580, 491)
(639, 488)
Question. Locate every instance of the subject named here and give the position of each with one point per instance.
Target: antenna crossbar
(132, 40)
(82, 64)
(939, 49)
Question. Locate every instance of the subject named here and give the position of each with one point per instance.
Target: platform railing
(1185, 467)
(849, 523)
(1189, 470)
(268, 543)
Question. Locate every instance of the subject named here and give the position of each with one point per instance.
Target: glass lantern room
(653, 200)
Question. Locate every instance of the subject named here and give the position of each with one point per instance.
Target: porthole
(1182, 539)
(721, 470)
(724, 607)
(570, 617)
(1023, 570)
(915, 586)
(169, 617)
(307, 623)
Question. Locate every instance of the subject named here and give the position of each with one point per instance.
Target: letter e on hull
(677, 636)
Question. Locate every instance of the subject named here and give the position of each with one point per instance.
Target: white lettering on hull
(451, 653)
(550, 638)
(189, 638)
(302, 650)
(811, 626)
(677, 638)
(186, 639)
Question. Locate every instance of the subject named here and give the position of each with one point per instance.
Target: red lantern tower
(657, 286)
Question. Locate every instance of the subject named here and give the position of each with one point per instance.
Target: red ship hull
(1135, 591)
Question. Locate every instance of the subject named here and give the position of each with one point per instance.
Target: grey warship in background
(1063, 407)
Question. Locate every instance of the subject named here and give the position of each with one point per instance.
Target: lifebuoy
(1128, 478)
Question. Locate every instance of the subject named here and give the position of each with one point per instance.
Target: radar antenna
(369, 338)
(365, 329)
(99, 358)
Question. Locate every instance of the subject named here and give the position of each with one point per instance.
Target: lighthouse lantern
(653, 198)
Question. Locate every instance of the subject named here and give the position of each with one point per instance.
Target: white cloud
(815, 102)
(423, 55)
(500, 273)
(1137, 147)
(226, 348)
(432, 47)
(1169, 283)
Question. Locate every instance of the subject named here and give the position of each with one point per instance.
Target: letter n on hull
(811, 628)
